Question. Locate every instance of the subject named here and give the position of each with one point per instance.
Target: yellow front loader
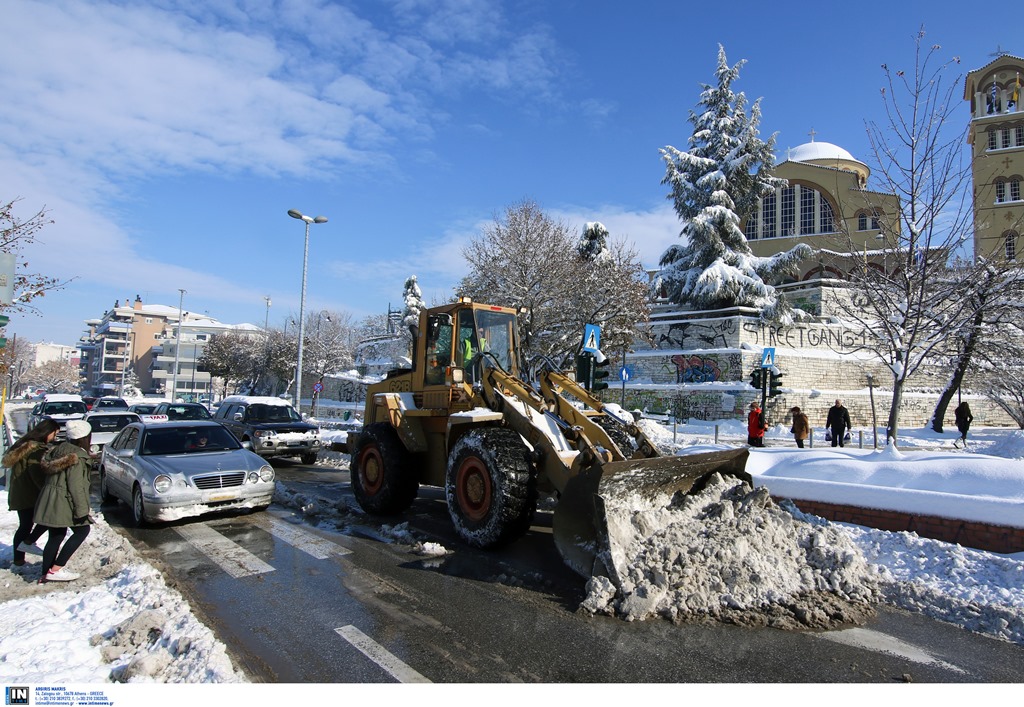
(464, 419)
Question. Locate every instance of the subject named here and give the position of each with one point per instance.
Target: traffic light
(600, 373)
(774, 384)
(755, 378)
(584, 369)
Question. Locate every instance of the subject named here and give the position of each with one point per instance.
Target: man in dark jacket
(838, 421)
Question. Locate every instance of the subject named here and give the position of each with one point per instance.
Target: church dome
(825, 154)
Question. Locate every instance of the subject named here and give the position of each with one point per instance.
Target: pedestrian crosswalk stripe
(379, 655)
(298, 538)
(231, 557)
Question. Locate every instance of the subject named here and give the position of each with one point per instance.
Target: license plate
(222, 497)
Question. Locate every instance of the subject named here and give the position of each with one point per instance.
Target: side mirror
(247, 444)
(237, 417)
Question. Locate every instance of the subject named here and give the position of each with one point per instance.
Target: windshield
(64, 408)
(187, 412)
(187, 440)
(259, 412)
(110, 423)
(498, 331)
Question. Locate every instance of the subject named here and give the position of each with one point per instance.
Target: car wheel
(106, 497)
(138, 508)
(309, 458)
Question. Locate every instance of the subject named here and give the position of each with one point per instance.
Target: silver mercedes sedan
(171, 470)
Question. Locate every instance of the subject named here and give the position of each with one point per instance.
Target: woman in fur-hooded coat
(64, 501)
(25, 482)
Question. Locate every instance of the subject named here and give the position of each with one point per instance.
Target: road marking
(231, 557)
(884, 643)
(379, 655)
(298, 538)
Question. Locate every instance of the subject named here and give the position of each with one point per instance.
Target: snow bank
(729, 552)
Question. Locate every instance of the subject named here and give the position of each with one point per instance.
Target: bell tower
(996, 136)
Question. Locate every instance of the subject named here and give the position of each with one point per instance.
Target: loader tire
(383, 478)
(491, 487)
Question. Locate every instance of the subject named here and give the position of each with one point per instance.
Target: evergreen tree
(414, 304)
(715, 186)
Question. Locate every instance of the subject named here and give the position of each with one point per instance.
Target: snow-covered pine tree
(715, 186)
(593, 246)
(414, 304)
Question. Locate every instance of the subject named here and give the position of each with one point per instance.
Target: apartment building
(154, 346)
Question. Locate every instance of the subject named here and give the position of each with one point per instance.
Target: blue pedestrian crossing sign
(768, 357)
(624, 374)
(592, 338)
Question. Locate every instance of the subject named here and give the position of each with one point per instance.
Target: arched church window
(1015, 189)
(788, 211)
(992, 140)
(1000, 191)
(862, 221)
(826, 218)
(750, 229)
(768, 212)
(806, 212)
(1011, 245)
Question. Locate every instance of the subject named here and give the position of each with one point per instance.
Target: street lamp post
(295, 213)
(177, 347)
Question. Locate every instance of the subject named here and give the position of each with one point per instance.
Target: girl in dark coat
(64, 501)
(25, 482)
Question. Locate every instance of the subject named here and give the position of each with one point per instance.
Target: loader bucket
(581, 522)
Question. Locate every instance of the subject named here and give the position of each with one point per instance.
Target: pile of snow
(729, 552)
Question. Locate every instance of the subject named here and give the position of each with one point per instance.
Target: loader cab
(452, 340)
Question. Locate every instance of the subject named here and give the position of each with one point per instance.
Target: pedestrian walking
(26, 481)
(964, 418)
(801, 426)
(63, 502)
(838, 422)
(756, 425)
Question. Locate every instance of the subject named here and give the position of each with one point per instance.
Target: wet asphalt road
(350, 604)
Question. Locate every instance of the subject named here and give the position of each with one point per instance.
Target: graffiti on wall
(715, 334)
(697, 369)
(796, 336)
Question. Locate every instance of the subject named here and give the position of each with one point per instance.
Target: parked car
(270, 426)
(180, 411)
(143, 408)
(109, 401)
(171, 470)
(59, 408)
(106, 424)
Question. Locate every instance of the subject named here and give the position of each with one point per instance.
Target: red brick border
(982, 536)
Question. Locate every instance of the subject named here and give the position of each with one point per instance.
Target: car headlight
(265, 433)
(162, 483)
(267, 472)
(253, 477)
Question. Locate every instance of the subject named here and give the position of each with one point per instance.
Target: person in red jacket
(756, 425)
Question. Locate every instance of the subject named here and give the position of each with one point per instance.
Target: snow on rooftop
(819, 151)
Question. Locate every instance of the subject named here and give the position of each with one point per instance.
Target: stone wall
(699, 366)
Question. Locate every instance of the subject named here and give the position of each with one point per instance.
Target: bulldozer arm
(581, 520)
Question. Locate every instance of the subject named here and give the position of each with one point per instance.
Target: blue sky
(168, 139)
